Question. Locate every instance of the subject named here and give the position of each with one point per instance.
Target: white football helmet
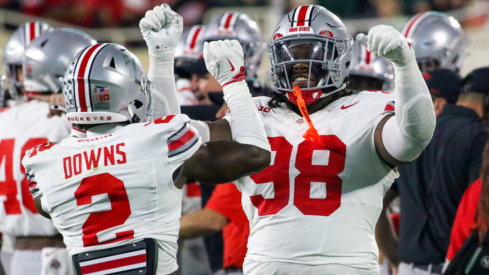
(310, 48)
(437, 39)
(370, 72)
(239, 26)
(47, 57)
(14, 54)
(106, 83)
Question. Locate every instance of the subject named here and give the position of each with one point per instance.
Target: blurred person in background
(187, 54)
(369, 72)
(473, 210)
(432, 186)
(438, 41)
(39, 248)
(444, 86)
(223, 211)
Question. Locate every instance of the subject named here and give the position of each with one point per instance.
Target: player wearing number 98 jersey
(314, 209)
(115, 195)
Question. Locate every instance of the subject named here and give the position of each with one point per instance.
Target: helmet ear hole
(112, 63)
(44, 43)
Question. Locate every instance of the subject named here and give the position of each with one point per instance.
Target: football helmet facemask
(310, 48)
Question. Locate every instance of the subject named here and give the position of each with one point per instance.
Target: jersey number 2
(309, 174)
(8, 185)
(120, 208)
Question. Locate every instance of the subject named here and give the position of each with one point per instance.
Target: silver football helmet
(189, 49)
(437, 39)
(14, 54)
(190, 44)
(236, 25)
(310, 48)
(370, 72)
(106, 83)
(47, 57)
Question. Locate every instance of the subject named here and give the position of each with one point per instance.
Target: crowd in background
(125, 13)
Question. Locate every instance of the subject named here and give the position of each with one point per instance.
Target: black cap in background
(477, 81)
(444, 83)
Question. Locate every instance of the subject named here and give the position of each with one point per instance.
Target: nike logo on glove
(346, 107)
(232, 67)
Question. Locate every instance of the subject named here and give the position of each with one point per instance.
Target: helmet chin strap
(342, 87)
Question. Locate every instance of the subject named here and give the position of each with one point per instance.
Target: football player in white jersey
(38, 243)
(115, 195)
(314, 209)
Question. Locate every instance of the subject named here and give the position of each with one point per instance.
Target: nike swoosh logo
(346, 107)
(232, 67)
(50, 253)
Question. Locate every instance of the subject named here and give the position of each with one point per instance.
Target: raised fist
(387, 42)
(161, 29)
(224, 61)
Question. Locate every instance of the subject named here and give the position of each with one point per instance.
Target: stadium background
(116, 20)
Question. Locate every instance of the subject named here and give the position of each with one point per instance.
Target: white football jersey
(319, 205)
(115, 186)
(22, 127)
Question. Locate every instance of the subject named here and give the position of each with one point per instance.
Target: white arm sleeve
(164, 97)
(409, 133)
(246, 125)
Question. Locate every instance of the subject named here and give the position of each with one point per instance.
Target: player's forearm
(204, 222)
(386, 238)
(246, 125)
(411, 130)
(384, 231)
(164, 97)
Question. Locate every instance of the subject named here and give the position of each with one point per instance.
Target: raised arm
(239, 148)
(161, 29)
(402, 138)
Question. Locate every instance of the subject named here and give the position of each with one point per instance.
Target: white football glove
(161, 29)
(388, 42)
(224, 61)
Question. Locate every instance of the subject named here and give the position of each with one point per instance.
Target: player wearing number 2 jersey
(314, 209)
(115, 195)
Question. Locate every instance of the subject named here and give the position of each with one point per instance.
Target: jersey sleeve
(182, 140)
(31, 162)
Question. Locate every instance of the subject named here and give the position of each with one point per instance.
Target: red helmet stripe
(301, 18)
(413, 21)
(194, 38)
(228, 20)
(367, 56)
(82, 86)
(32, 30)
